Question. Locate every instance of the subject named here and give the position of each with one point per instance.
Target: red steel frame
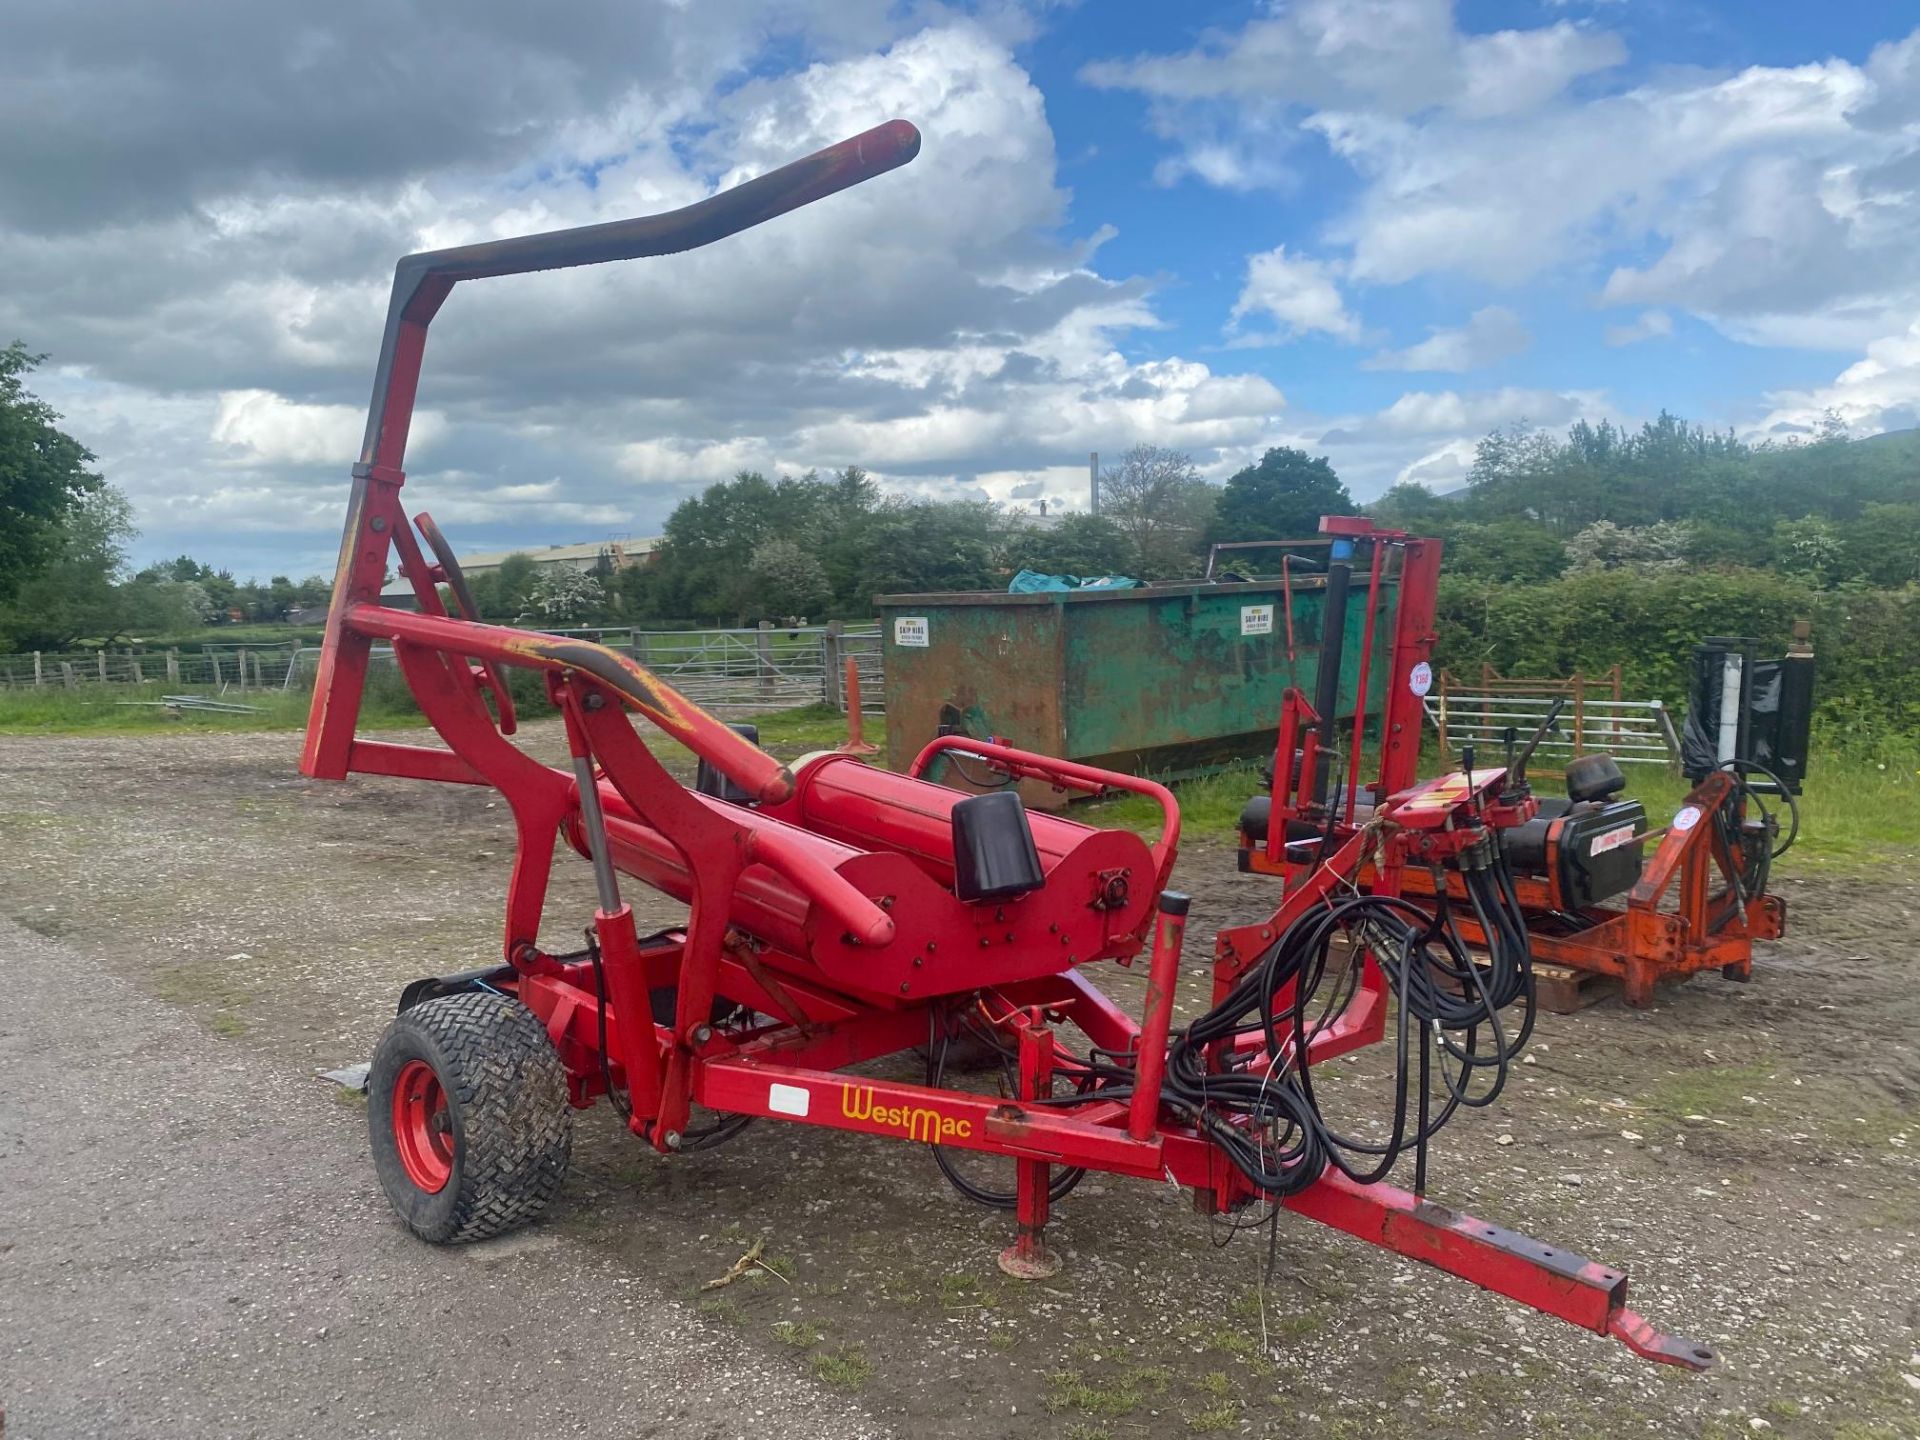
(825, 909)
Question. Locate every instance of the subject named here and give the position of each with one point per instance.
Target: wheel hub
(423, 1127)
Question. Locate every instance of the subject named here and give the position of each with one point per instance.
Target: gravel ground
(193, 1245)
(1747, 1151)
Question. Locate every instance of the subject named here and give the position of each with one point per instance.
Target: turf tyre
(501, 1108)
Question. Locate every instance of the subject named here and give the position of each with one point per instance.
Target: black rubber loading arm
(421, 282)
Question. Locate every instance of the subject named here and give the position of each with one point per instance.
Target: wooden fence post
(173, 665)
(67, 677)
(213, 658)
(242, 668)
(38, 678)
(100, 656)
(133, 659)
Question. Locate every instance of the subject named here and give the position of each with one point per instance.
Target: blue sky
(1109, 165)
(1375, 229)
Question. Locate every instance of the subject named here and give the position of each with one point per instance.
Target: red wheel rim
(423, 1126)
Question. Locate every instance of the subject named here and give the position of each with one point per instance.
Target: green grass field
(1861, 807)
(103, 710)
(97, 709)
(100, 710)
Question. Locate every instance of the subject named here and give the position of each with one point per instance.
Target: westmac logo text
(916, 1122)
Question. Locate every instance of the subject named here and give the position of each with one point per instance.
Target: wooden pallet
(1561, 990)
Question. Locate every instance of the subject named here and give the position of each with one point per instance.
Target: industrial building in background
(591, 555)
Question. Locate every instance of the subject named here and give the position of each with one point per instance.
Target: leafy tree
(1604, 545)
(1281, 498)
(1512, 471)
(1808, 548)
(787, 579)
(43, 475)
(711, 537)
(1882, 547)
(73, 596)
(506, 593)
(1411, 506)
(561, 595)
(154, 606)
(1080, 544)
(934, 546)
(1521, 551)
(1158, 500)
(282, 595)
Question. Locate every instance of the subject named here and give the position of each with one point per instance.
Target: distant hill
(1906, 441)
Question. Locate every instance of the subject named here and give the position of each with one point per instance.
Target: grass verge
(139, 710)
(1861, 806)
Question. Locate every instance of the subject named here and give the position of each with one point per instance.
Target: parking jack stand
(1028, 1258)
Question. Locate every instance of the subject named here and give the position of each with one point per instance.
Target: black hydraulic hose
(939, 1039)
(1260, 1106)
(1265, 1115)
(1740, 769)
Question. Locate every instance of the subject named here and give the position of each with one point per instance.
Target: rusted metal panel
(1171, 681)
(990, 669)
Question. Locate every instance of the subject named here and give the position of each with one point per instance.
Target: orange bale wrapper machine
(1578, 868)
(837, 914)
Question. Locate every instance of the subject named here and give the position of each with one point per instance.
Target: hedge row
(1867, 642)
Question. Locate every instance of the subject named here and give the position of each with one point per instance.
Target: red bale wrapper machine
(839, 914)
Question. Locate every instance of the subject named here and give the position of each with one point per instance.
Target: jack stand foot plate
(1029, 1260)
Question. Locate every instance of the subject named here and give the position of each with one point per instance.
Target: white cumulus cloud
(1490, 335)
(1297, 292)
(1881, 391)
(269, 429)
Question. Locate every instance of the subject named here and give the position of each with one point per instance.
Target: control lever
(1517, 787)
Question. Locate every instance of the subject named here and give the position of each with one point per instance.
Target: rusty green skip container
(1167, 681)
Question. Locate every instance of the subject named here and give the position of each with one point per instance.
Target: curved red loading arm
(421, 284)
(638, 688)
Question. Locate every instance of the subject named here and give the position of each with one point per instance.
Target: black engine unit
(1590, 849)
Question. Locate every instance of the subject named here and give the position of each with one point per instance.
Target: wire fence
(211, 667)
(764, 668)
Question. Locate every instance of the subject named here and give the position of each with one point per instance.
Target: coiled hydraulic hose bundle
(1260, 1104)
